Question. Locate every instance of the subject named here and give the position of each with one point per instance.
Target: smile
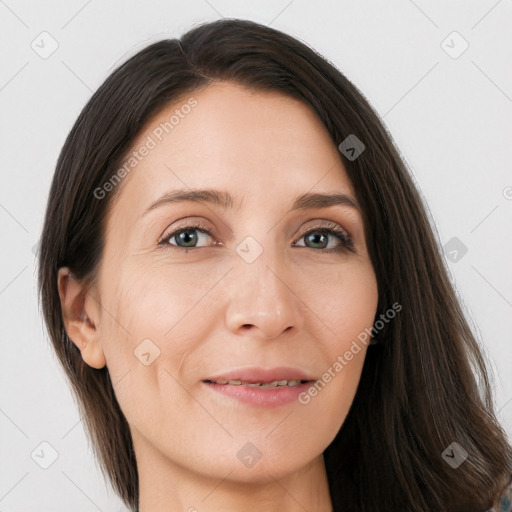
(274, 384)
(260, 394)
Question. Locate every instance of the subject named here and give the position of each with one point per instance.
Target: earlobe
(80, 314)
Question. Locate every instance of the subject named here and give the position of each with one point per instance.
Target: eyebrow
(225, 200)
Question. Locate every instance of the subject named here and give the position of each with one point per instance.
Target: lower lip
(263, 397)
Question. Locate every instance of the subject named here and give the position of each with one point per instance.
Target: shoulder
(505, 501)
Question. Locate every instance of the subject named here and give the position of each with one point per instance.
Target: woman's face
(249, 291)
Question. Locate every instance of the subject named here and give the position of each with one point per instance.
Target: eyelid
(319, 224)
(169, 233)
(334, 229)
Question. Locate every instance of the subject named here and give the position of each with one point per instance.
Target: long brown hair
(424, 385)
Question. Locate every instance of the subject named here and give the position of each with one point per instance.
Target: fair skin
(208, 310)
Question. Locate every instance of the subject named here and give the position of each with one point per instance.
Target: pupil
(315, 236)
(185, 235)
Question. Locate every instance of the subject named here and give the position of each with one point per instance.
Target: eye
(186, 237)
(318, 237)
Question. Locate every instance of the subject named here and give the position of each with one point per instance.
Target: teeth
(275, 384)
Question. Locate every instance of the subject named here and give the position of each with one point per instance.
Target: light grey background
(451, 118)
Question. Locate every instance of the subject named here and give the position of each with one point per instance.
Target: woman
(243, 286)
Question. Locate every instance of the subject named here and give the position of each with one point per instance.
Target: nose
(263, 302)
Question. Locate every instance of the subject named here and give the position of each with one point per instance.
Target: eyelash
(329, 228)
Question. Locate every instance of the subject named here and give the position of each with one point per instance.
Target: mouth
(259, 388)
(254, 384)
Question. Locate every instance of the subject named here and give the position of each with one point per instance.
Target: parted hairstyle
(424, 384)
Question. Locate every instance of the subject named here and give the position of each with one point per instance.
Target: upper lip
(263, 375)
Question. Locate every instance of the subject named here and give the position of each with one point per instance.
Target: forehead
(255, 144)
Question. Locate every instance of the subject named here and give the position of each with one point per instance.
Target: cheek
(149, 322)
(153, 301)
(181, 308)
(344, 297)
(346, 300)
(163, 302)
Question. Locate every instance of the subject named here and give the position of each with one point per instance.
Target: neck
(165, 485)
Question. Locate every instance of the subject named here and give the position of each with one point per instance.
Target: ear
(81, 315)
